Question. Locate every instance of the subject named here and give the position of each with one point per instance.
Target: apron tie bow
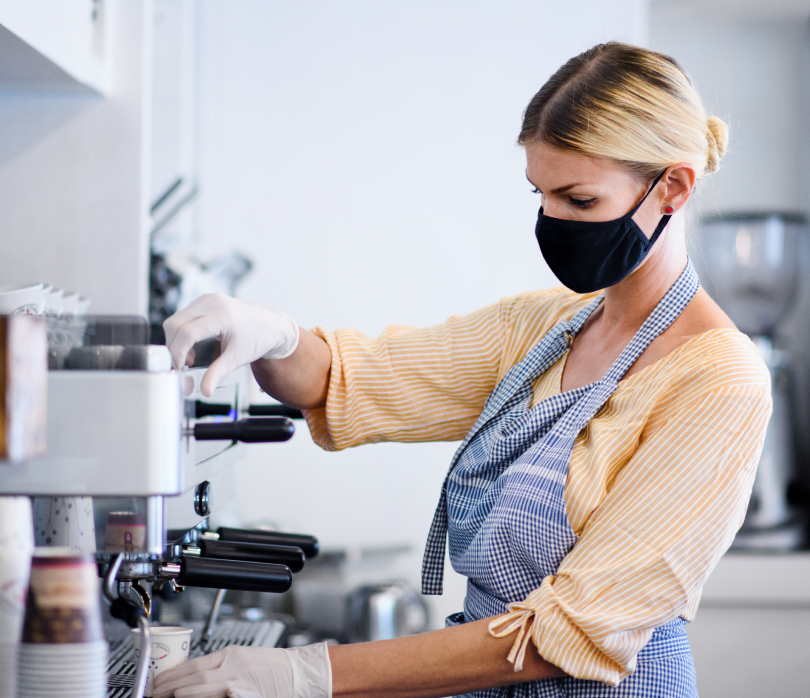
(521, 616)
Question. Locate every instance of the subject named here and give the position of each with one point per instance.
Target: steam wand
(208, 630)
(134, 616)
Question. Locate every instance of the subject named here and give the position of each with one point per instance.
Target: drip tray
(121, 673)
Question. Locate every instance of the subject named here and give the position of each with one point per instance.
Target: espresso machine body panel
(109, 432)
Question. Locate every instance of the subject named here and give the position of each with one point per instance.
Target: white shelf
(54, 46)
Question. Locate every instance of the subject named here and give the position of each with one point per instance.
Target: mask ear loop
(649, 191)
(664, 219)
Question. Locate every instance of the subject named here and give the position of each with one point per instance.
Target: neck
(628, 303)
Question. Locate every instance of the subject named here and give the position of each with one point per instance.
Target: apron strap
(663, 315)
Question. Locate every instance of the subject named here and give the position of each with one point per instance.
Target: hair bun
(717, 135)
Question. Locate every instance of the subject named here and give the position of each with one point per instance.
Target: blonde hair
(628, 104)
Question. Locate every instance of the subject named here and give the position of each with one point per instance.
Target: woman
(611, 440)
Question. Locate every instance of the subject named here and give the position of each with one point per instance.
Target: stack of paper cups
(63, 652)
(22, 300)
(16, 545)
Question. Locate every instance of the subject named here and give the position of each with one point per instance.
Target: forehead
(549, 168)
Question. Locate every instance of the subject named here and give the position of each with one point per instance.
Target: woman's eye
(536, 191)
(580, 203)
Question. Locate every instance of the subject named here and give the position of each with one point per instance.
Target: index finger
(189, 334)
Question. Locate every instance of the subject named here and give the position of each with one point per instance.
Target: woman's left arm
(440, 663)
(445, 662)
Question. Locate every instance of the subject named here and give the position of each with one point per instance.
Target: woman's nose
(554, 210)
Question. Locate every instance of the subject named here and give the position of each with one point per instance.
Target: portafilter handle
(288, 555)
(309, 544)
(251, 430)
(236, 575)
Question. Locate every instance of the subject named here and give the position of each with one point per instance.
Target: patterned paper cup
(170, 645)
(63, 600)
(22, 300)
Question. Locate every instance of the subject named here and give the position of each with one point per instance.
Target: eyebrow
(558, 190)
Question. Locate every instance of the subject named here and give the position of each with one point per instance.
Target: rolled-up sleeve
(427, 384)
(645, 552)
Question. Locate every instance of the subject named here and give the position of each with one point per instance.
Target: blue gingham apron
(502, 504)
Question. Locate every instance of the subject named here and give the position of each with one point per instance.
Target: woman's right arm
(300, 380)
(409, 384)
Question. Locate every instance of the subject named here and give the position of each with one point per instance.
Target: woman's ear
(679, 182)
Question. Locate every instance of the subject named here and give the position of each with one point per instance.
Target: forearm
(302, 379)
(441, 663)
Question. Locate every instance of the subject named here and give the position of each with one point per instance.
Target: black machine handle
(274, 411)
(235, 575)
(309, 544)
(251, 430)
(212, 409)
(253, 552)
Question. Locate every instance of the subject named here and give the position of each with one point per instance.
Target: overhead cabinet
(54, 45)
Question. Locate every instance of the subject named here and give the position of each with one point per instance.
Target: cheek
(647, 219)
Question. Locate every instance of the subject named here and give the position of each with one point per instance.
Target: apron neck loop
(663, 315)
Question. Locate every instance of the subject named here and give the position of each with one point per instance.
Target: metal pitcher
(386, 611)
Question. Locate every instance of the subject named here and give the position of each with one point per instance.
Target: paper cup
(22, 300)
(70, 303)
(65, 522)
(170, 645)
(16, 546)
(125, 532)
(63, 599)
(53, 301)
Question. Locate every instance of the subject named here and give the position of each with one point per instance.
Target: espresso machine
(142, 441)
(750, 264)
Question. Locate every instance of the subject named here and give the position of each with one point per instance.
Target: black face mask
(590, 255)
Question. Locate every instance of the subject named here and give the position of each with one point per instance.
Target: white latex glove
(247, 331)
(251, 672)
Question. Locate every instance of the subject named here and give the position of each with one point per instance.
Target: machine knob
(202, 499)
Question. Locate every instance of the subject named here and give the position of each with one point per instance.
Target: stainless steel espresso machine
(143, 442)
(749, 263)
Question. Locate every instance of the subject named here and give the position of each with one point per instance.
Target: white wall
(364, 155)
(74, 177)
(749, 72)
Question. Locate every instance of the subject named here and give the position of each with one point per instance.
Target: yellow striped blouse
(658, 482)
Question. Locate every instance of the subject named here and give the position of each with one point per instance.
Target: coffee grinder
(749, 263)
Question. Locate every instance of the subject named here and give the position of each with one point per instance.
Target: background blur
(362, 156)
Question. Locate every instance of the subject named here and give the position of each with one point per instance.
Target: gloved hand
(251, 672)
(247, 331)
